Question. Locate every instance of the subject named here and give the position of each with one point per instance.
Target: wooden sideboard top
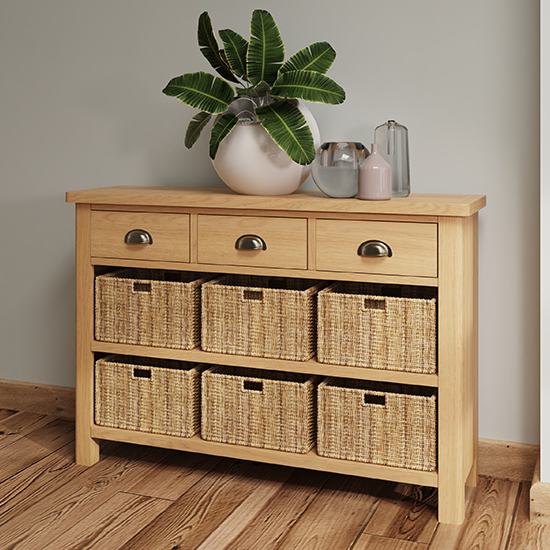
(301, 201)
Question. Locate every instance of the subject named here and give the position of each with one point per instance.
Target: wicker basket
(148, 395)
(389, 424)
(149, 308)
(271, 410)
(260, 316)
(389, 327)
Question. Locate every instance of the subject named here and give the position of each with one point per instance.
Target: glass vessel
(335, 169)
(393, 144)
(375, 179)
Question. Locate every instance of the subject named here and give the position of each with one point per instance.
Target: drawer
(413, 247)
(285, 241)
(169, 234)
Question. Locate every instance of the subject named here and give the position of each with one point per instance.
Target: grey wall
(81, 106)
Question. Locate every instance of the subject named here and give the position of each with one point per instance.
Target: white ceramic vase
(251, 163)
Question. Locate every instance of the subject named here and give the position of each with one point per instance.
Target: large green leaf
(266, 51)
(288, 128)
(202, 91)
(316, 57)
(198, 122)
(220, 131)
(210, 49)
(235, 48)
(309, 86)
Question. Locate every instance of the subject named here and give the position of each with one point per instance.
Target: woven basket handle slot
(370, 399)
(253, 385)
(142, 373)
(142, 287)
(373, 303)
(253, 295)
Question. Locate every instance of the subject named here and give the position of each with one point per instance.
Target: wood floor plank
(189, 520)
(175, 475)
(489, 515)
(36, 481)
(374, 542)
(26, 450)
(239, 519)
(19, 425)
(6, 413)
(526, 535)
(337, 515)
(402, 518)
(281, 512)
(76, 499)
(110, 525)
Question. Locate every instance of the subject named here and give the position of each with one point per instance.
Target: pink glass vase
(374, 177)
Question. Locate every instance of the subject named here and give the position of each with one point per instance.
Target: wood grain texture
(374, 542)
(489, 518)
(277, 517)
(74, 501)
(37, 398)
(457, 365)
(26, 450)
(285, 240)
(169, 232)
(401, 518)
(238, 520)
(539, 511)
(52, 503)
(507, 460)
(306, 367)
(528, 534)
(309, 460)
(110, 525)
(34, 482)
(337, 514)
(413, 245)
(315, 201)
(188, 521)
(87, 450)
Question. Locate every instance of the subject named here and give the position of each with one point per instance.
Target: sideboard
(433, 242)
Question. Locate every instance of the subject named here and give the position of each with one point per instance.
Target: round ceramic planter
(251, 163)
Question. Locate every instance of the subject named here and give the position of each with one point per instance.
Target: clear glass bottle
(393, 144)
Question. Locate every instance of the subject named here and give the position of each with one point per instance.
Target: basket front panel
(259, 322)
(377, 332)
(166, 403)
(273, 418)
(401, 433)
(147, 312)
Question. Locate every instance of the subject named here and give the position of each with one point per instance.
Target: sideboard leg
(87, 449)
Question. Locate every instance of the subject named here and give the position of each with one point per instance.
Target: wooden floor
(152, 499)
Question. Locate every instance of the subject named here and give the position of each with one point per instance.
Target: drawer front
(413, 247)
(285, 241)
(169, 234)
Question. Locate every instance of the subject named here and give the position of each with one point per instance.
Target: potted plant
(265, 103)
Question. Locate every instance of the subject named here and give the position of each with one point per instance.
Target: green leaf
(288, 128)
(316, 57)
(266, 51)
(220, 131)
(235, 48)
(210, 49)
(202, 91)
(260, 90)
(198, 122)
(309, 86)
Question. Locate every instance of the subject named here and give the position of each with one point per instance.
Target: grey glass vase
(335, 169)
(393, 144)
